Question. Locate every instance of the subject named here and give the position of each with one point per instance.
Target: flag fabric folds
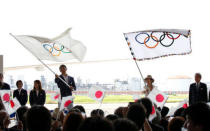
(150, 44)
(96, 93)
(153, 114)
(158, 97)
(10, 104)
(55, 96)
(66, 102)
(59, 49)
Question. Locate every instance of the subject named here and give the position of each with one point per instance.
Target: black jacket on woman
(35, 99)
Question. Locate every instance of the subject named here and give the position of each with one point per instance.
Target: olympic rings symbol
(55, 49)
(162, 37)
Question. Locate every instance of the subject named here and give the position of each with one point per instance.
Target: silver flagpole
(41, 61)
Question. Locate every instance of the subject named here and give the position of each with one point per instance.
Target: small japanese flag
(14, 104)
(66, 102)
(182, 104)
(158, 97)
(55, 96)
(5, 95)
(96, 93)
(153, 113)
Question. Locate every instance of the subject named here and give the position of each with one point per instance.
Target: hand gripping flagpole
(41, 61)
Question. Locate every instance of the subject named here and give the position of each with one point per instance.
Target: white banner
(152, 44)
(61, 48)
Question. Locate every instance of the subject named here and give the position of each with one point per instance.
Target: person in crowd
(198, 117)
(64, 89)
(147, 103)
(20, 93)
(38, 118)
(176, 124)
(164, 118)
(82, 110)
(96, 124)
(136, 113)
(97, 112)
(3, 85)
(72, 121)
(125, 125)
(5, 121)
(111, 117)
(21, 115)
(149, 84)
(121, 112)
(37, 95)
(198, 91)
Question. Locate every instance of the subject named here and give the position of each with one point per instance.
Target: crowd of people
(133, 117)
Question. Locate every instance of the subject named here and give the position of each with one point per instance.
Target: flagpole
(140, 72)
(41, 61)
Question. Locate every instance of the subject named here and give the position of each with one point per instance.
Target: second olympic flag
(152, 44)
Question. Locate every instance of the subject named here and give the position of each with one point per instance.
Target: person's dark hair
(96, 124)
(62, 66)
(111, 117)
(80, 107)
(21, 115)
(198, 74)
(125, 125)
(147, 103)
(119, 112)
(19, 81)
(72, 121)
(179, 112)
(97, 112)
(39, 83)
(38, 118)
(176, 124)
(164, 111)
(136, 113)
(199, 114)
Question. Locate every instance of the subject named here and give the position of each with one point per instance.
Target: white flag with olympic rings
(151, 44)
(60, 48)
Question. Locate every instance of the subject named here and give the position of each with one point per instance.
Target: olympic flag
(150, 44)
(60, 48)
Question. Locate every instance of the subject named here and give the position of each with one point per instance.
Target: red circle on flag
(98, 94)
(153, 110)
(67, 103)
(12, 103)
(6, 97)
(57, 96)
(184, 106)
(159, 98)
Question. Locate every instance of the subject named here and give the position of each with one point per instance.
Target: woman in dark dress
(37, 95)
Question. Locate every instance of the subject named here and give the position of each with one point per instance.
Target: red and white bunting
(158, 97)
(96, 93)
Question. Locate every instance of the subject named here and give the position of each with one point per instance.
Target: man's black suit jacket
(22, 96)
(198, 94)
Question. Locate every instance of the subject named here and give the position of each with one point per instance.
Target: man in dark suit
(3, 85)
(64, 89)
(198, 91)
(20, 93)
